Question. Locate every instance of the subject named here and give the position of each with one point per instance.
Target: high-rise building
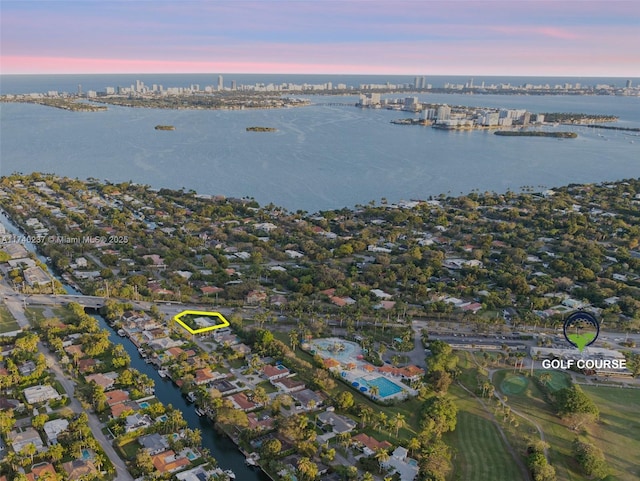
(444, 113)
(629, 83)
(79, 90)
(220, 82)
(233, 85)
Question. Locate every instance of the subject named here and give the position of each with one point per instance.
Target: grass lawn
(130, 450)
(7, 322)
(618, 432)
(268, 387)
(530, 401)
(559, 380)
(479, 451)
(37, 313)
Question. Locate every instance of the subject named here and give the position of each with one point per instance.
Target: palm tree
(545, 378)
(375, 391)
(382, 456)
(293, 339)
(30, 450)
(398, 422)
(366, 415)
(56, 452)
(382, 419)
(98, 461)
(413, 445)
(344, 439)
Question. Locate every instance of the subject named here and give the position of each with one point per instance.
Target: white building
(444, 113)
(54, 428)
(38, 394)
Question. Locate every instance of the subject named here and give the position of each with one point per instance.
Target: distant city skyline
(529, 38)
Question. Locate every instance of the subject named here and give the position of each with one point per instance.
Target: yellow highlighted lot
(194, 316)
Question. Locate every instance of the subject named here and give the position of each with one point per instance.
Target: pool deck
(352, 367)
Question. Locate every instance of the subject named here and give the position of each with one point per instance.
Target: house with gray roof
(338, 424)
(154, 443)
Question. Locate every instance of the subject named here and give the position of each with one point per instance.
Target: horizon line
(470, 75)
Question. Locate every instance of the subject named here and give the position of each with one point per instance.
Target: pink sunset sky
(454, 37)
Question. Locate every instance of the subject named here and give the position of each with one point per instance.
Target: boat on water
(200, 412)
(230, 474)
(121, 333)
(191, 397)
(252, 460)
(162, 373)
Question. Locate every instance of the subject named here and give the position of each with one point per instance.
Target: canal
(220, 446)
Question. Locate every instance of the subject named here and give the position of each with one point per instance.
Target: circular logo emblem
(581, 329)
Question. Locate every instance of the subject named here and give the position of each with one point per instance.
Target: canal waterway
(220, 446)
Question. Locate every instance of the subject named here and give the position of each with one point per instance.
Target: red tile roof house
(87, 365)
(275, 372)
(167, 462)
(203, 376)
(241, 401)
(256, 297)
(105, 382)
(119, 409)
(208, 290)
(288, 384)
(40, 472)
(116, 397)
(372, 444)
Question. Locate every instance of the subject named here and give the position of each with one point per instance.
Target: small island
(536, 133)
(261, 129)
(165, 127)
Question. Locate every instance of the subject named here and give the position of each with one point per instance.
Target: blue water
(386, 388)
(323, 156)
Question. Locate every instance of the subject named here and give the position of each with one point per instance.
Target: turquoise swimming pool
(385, 387)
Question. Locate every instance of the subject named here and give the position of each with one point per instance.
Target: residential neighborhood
(353, 333)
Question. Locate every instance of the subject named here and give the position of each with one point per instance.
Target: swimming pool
(86, 455)
(191, 455)
(385, 387)
(344, 351)
(144, 404)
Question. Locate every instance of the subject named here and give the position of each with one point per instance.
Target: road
(94, 422)
(16, 304)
